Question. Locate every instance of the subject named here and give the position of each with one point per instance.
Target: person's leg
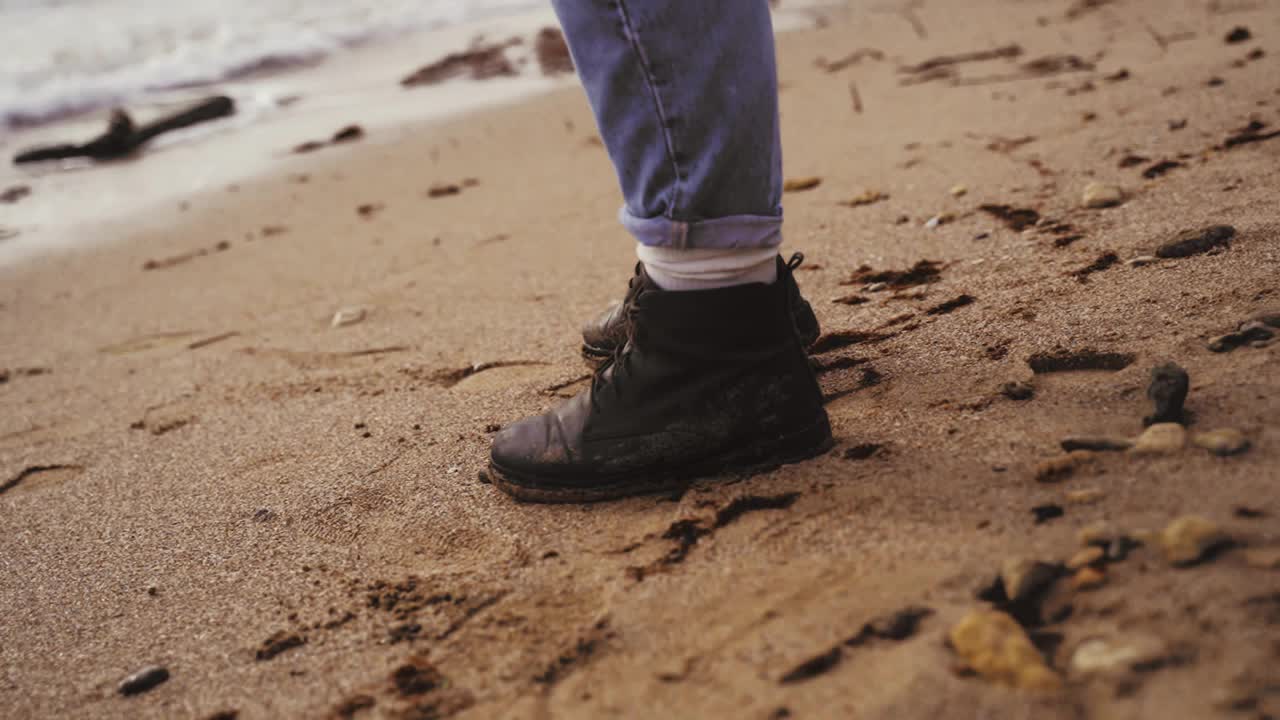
(710, 375)
(686, 98)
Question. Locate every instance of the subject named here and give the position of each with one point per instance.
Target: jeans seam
(634, 39)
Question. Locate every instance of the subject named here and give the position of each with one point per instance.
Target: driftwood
(123, 137)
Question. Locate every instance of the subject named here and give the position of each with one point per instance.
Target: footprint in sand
(34, 477)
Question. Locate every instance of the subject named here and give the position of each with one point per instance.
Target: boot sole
(747, 459)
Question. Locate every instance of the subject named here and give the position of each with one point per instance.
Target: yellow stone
(799, 184)
(1097, 533)
(1160, 439)
(870, 197)
(1088, 579)
(1086, 496)
(1187, 539)
(997, 648)
(1086, 557)
(1265, 558)
(1224, 441)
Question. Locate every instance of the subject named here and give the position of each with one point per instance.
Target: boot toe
(540, 445)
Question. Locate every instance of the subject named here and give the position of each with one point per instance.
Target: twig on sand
(857, 97)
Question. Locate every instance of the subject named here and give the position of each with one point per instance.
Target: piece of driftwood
(123, 137)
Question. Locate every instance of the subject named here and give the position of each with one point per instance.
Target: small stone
(1118, 549)
(997, 648)
(347, 316)
(1253, 330)
(1017, 390)
(1168, 393)
(1100, 195)
(938, 221)
(959, 191)
(1097, 444)
(143, 680)
(876, 287)
(1088, 579)
(1223, 442)
(1100, 656)
(1062, 467)
(1238, 34)
(1091, 555)
(1023, 577)
(1267, 558)
(1194, 242)
(1045, 513)
(1271, 319)
(1160, 439)
(801, 184)
(1098, 533)
(1086, 496)
(1142, 260)
(869, 197)
(152, 590)
(1188, 539)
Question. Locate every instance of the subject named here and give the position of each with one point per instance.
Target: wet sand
(200, 472)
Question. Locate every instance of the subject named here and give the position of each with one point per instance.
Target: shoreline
(274, 113)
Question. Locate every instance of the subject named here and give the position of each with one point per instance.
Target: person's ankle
(708, 268)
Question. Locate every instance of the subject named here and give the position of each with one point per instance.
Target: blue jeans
(685, 93)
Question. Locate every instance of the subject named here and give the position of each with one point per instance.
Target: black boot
(606, 333)
(708, 382)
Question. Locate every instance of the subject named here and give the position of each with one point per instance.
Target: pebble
(1100, 195)
(143, 680)
(347, 316)
(996, 647)
(1098, 533)
(801, 184)
(1160, 439)
(1223, 442)
(1024, 577)
(1062, 467)
(1018, 390)
(1267, 558)
(869, 197)
(939, 220)
(876, 287)
(1085, 496)
(1097, 655)
(1097, 444)
(1142, 261)
(1194, 242)
(1167, 392)
(1187, 539)
(1088, 579)
(1271, 319)
(959, 191)
(1091, 555)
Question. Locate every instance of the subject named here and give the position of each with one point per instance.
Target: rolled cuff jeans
(685, 94)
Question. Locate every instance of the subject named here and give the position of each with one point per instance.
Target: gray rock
(1168, 392)
(1195, 242)
(143, 680)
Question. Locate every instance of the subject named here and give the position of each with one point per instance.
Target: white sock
(708, 268)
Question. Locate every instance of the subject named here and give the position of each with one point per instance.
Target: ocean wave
(66, 57)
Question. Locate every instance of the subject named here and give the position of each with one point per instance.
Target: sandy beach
(199, 471)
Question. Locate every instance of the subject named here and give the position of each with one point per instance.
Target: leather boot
(707, 382)
(606, 333)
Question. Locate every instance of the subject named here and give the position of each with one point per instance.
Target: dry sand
(205, 464)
